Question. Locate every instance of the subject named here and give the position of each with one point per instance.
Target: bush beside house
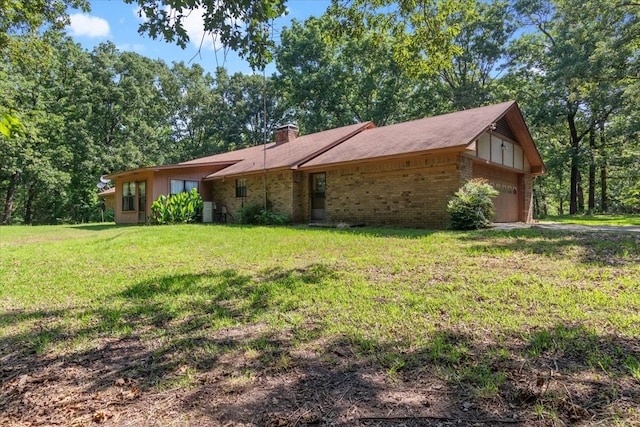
(180, 208)
(471, 207)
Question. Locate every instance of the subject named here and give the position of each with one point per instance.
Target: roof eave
(113, 176)
(167, 167)
(215, 177)
(521, 131)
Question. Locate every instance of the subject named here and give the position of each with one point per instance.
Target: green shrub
(630, 202)
(248, 214)
(179, 208)
(109, 215)
(257, 215)
(471, 207)
(267, 217)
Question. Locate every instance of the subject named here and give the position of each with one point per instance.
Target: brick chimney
(286, 133)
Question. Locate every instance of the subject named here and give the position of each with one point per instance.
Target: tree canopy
(241, 25)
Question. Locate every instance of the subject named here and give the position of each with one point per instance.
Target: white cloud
(194, 26)
(139, 14)
(87, 25)
(135, 47)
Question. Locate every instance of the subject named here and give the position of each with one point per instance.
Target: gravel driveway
(568, 227)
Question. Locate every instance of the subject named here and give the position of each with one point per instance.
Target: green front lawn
(483, 311)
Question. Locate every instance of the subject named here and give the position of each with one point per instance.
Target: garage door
(506, 182)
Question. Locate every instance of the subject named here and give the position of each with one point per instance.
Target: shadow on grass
(456, 379)
(370, 231)
(206, 338)
(150, 334)
(100, 226)
(588, 248)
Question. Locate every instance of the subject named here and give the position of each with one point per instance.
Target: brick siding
(280, 194)
(411, 192)
(407, 193)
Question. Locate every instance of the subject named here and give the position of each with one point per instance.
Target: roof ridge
(459, 112)
(365, 126)
(293, 154)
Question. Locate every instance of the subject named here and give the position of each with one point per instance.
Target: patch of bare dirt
(134, 382)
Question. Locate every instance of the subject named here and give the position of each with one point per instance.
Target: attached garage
(508, 203)
(503, 162)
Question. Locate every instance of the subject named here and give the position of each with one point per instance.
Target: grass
(628, 219)
(468, 308)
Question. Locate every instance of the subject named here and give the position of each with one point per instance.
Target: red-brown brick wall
(280, 194)
(407, 193)
(411, 192)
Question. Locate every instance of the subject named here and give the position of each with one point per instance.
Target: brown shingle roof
(230, 156)
(218, 160)
(291, 154)
(448, 131)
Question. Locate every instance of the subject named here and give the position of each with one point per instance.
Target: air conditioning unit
(207, 212)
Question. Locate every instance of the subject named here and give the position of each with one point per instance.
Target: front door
(142, 201)
(317, 189)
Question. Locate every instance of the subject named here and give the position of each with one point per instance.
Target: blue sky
(116, 21)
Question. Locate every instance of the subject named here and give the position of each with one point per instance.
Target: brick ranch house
(397, 175)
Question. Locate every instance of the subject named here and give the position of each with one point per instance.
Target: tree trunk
(604, 198)
(592, 171)
(573, 194)
(575, 172)
(8, 203)
(580, 193)
(28, 207)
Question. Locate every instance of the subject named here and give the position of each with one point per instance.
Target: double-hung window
(178, 186)
(241, 187)
(128, 196)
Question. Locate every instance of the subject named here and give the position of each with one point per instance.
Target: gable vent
(502, 127)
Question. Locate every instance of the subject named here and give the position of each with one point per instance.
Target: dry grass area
(255, 326)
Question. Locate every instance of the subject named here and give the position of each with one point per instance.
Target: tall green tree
(421, 29)
(333, 81)
(213, 114)
(484, 33)
(25, 17)
(188, 92)
(35, 163)
(575, 53)
(251, 107)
